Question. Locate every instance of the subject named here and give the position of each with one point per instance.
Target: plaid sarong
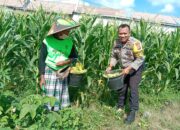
(56, 87)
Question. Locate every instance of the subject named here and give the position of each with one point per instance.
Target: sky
(164, 7)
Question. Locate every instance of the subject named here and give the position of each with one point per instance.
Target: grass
(167, 118)
(162, 113)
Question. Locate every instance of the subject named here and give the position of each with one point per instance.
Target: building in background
(76, 8)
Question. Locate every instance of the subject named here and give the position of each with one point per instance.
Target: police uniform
(129, 54)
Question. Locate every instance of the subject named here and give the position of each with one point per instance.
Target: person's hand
(42, 81)
(126, 70)
(61, 63)
(108, 69)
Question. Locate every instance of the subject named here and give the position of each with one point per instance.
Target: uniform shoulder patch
(138, 45)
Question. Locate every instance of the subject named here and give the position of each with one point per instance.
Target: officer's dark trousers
(131, 81)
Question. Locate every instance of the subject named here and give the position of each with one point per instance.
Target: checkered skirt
(58, 88)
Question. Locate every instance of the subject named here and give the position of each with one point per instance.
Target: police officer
(128, 52)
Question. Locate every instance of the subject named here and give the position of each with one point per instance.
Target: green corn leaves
(21, 36)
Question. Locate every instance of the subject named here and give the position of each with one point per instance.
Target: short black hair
(123, 26)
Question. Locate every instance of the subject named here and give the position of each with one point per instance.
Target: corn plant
(21, 36)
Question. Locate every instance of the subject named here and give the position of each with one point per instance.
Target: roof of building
(107, 12)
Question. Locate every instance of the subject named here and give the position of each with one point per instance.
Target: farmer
(128, 52)
(57, 53)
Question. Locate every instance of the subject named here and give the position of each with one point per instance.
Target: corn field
(21, 36)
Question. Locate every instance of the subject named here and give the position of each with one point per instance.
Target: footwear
(131, 117)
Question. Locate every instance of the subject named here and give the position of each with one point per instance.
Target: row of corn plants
(162, 57)
(21, 36)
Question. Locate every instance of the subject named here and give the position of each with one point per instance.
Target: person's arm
(42, 65)
(72, 58)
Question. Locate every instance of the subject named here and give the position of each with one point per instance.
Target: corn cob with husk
(112, 74)
(78, 69)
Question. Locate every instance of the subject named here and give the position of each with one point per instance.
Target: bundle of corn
(78, 69)
(112, 74)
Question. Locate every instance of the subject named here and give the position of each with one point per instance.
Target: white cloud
(168, 8)
(126, 3)
(164, 2)
(84, 3)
